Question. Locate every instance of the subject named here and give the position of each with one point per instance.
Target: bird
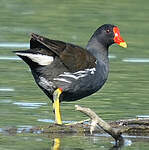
(68, 72)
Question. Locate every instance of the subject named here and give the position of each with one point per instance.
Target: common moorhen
(67, 72)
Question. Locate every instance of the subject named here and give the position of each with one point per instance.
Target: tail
(24, 55)
(34, 59)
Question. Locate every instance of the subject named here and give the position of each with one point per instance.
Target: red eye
(108, 31)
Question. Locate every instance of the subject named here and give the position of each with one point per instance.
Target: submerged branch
(137, 127)
(96, 120)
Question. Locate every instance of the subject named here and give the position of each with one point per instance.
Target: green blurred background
(125, 95)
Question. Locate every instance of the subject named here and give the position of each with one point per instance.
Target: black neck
(98, 49)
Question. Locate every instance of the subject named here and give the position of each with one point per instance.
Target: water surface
(125, 95)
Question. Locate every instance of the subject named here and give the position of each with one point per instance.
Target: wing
(54, 46)
(73, 57)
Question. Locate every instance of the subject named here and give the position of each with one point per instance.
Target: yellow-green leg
(56, 105)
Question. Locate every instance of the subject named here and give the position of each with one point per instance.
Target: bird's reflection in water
(57, 142)
(119, 147)
(57, 145)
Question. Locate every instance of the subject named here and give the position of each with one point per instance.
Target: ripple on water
(14, 45)
(6, 90)
(142, 116)
(139, 60)
(1, 130)
(9, 58)
(19, 129)
(28, 129)
(111, 56)
(29, 105)
(17, 58)
(5, 101)
(52, 121)
(127, 142)
(24, 128)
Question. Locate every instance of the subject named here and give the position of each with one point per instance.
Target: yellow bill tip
(123, 44)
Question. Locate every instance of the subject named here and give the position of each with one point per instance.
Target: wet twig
(96, 120)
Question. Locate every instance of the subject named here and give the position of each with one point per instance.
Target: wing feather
(73, 57)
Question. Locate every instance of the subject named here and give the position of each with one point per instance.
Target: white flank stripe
(92, 70)
(73, 76)
(79, 74)
(62, 79)
(38, 58)
(44, 81)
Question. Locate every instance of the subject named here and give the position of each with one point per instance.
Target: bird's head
(109, 34)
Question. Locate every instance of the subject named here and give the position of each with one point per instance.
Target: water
(125, 95)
